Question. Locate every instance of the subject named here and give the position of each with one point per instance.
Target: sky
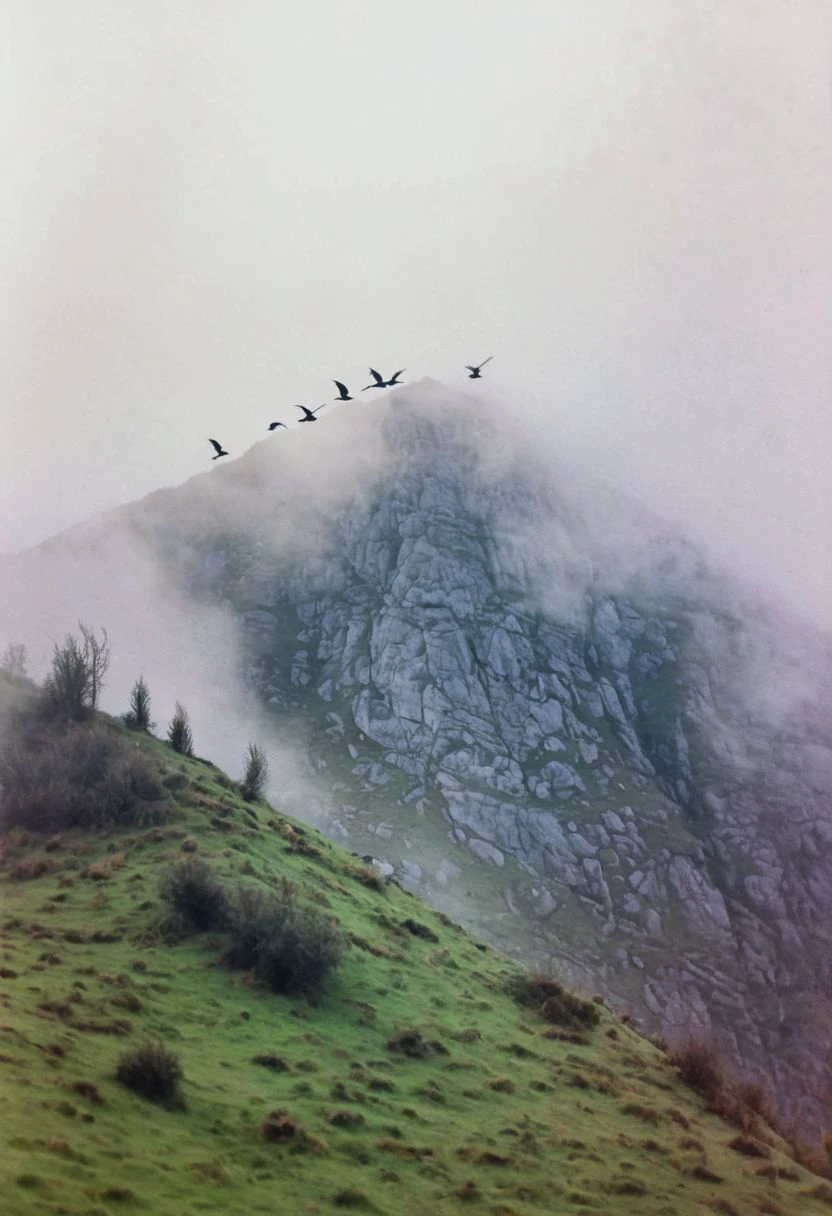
(210, 210)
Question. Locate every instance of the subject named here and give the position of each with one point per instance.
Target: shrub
(73, 686)
(548, 997)
(699, 1067)
(256, 774)
(195, 895)
(138, 715)
(55, 777)
(153, 1072)
(289, 947)
(180, 736)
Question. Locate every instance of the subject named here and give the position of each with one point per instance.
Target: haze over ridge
(629, 206)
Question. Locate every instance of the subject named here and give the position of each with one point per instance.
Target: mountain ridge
(575, 740)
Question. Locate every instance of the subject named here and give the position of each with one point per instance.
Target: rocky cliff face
(575, 744)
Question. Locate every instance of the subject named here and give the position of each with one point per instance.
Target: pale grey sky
(210, 209)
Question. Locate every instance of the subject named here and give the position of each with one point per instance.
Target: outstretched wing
(482, 365)
(317, 411)
(217, 446)
(307, 413)
(342, 388)
(378, 379)
(395, 377)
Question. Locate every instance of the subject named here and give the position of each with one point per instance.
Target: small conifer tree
(138, 715)
(256, 774)
(179, 731)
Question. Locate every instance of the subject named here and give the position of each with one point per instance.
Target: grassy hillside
(496, 1110)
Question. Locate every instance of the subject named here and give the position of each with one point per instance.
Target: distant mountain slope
(537, 704)
(495, 1113)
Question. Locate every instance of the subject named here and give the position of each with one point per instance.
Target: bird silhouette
(274, 425)
(343, 391)
(380, 382)
(309, 415)
(475, 371)
(218, 448)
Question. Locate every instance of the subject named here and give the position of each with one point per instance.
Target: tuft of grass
(280, 1128)
(552, 1001)
(153, 1072)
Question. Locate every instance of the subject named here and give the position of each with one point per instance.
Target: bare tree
(15, 661)
(74, 683)
(66, 689)
(97, 658)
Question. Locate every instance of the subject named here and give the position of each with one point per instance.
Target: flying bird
(343, 392)
(309, 415)
(274, 425)
(218, 448)
(380, 382)
(475, 371)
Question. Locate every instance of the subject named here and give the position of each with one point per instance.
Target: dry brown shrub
(28, 868)
(699, 1067)
(56, 776)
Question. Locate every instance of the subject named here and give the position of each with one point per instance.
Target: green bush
(195, 895)
(290, 948)
(153, 1072)
(57, 776)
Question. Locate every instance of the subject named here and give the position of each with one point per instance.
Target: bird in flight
(343, 391)
(475, 371)
(218, 448)
(274, 425)
(309, 415)
(380, 382)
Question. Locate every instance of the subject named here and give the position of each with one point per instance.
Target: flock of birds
(474, 373)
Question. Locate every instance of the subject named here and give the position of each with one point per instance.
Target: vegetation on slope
(141, 1070)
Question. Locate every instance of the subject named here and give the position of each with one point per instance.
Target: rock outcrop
(577, 747)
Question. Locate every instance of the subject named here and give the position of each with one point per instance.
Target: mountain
(545, 711)
(415, 1079)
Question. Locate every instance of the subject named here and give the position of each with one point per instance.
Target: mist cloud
(210, 214)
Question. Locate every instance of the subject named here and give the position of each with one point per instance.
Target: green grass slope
(497, 1117)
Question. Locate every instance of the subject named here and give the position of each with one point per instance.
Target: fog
(209, 211)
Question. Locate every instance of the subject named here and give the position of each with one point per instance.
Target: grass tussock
(553, 1002)
(153, 1072)
(368, 876)
(279, 1127)
(698, 1065)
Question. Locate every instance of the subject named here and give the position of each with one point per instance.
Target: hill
(545, 710)
(305, 1105)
